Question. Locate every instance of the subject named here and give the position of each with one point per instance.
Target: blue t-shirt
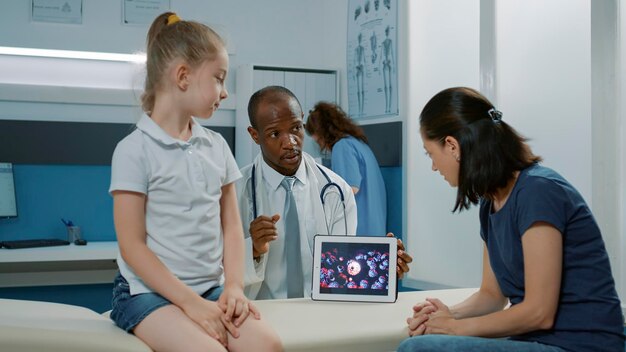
(589, 316)
(354, 161)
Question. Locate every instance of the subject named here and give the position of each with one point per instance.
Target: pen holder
(73, 233)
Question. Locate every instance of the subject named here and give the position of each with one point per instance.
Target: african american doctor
(286, 198)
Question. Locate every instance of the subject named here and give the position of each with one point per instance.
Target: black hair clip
(496, 115)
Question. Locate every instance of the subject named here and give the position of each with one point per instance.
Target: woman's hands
(432, 317)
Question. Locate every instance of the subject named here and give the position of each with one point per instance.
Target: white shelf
(72, 253)
(93, 263)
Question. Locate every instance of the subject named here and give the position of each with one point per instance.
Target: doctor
(279, 234)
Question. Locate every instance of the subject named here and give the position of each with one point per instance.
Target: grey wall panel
(385, 139)
(228, 133)
(82, 143)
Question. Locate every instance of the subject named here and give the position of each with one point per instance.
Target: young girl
(175, 209)
(543, 250)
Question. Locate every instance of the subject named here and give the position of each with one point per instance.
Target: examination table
(302, 324)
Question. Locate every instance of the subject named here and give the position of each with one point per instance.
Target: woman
(354, 161)
(543, 250)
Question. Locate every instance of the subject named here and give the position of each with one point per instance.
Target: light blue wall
(47, 193)
(393, 184)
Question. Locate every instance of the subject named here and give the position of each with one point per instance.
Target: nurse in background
(353, 160)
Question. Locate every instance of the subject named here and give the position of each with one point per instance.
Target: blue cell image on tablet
(354, 268)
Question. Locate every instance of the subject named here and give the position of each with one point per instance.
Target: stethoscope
(323, 194)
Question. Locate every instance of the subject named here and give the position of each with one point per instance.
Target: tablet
(356, 269)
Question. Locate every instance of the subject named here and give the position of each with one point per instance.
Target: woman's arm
(543, 252)
(487, 300)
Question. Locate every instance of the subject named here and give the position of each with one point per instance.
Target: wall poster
(372, 58)
(57, 11)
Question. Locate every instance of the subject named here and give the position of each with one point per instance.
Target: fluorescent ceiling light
(70, 54)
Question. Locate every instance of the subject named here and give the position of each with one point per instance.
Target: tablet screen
(353, 268)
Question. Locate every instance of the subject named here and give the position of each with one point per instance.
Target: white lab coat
(332, 219)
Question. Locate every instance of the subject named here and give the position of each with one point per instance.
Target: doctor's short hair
(269, 94)
(491, 150)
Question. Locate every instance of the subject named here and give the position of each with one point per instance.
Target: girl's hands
(224, 316)
(236, 308)
(210, 317)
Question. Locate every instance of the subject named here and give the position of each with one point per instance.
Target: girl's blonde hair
(170, 38)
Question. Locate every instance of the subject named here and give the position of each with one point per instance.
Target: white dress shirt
(275, 284)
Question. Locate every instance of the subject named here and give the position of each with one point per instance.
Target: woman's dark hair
(330, 123)
(491, 150)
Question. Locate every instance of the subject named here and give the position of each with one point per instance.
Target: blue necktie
(292, 241)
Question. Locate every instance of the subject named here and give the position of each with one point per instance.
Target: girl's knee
(271, 340)
(256, 335)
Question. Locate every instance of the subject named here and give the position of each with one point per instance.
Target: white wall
(296, 33)
(280, 32)
(444, 52)
(607, 151)
(620, 187)
(544, 81)
(556, 70)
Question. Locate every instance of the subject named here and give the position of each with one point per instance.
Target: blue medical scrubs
(354, 161)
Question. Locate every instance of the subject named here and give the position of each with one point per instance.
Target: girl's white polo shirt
(182, 182)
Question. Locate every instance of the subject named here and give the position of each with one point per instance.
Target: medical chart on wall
(372, 58)
(57, 11)
(143, 12)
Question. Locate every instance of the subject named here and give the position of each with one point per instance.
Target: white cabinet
(94, 263)
(309, 86)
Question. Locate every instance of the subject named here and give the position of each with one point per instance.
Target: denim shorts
(129, 310)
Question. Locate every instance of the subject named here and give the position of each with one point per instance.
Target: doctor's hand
(263, 231)
(403, 258)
